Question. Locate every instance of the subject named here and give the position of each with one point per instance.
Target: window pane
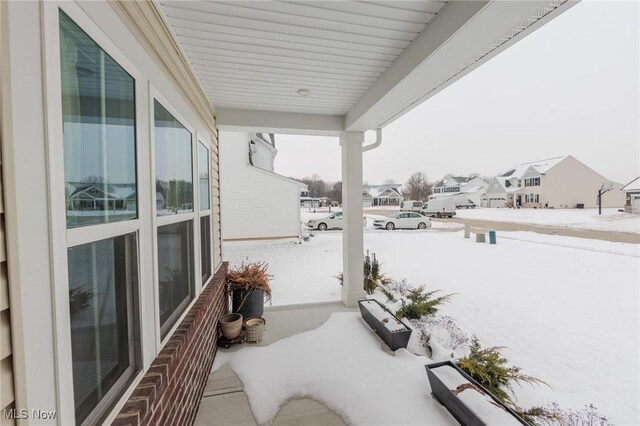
(175, 271)
(174, 171)
(98, 124)
(203, 174)
(98, 305)
(205, 247)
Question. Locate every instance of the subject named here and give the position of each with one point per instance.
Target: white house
(382, 195)
(256, 202)
(113, 318)
(461, 187)
(560, 182)
(632, 196)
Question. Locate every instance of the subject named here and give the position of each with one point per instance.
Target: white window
(174, 202)
(206, 255)
(99, 141)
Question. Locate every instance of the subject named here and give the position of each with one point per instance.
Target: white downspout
(376, 144)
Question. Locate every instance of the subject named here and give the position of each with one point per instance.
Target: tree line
(417, 187)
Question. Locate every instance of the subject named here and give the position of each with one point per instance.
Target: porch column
(352, 232)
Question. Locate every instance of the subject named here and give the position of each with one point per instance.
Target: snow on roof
(377, 190)
(634, 185)
(541, 166)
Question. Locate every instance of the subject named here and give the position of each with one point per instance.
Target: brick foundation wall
(170, 391)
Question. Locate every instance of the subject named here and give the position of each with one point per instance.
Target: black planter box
(396, 339)
(463, 414)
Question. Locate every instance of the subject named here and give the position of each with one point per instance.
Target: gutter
(376, 144)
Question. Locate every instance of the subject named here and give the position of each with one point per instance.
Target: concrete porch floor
(224, 401)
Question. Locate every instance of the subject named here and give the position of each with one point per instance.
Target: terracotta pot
(231, 326)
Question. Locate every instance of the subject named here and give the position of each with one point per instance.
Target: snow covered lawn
(611, 219)
(568, 309)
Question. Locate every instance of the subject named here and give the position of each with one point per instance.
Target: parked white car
(403, 220)
(331, 221)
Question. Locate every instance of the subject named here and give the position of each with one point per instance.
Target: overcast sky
(571, 87)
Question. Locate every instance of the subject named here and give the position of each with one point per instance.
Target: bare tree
(389, 182)
(417, 187)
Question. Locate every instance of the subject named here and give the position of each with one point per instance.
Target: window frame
(159, 221)
(206, 142)
(63, 238)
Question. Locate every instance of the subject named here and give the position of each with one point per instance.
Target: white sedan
(332, 221)
(403, 220)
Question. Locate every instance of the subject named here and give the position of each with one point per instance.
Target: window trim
(61, 238)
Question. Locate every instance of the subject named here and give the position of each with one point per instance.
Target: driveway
(613, 236)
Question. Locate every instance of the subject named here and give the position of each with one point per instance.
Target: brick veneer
(170, 391)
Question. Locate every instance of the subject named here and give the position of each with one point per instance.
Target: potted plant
(231, 326)
(466, 399)
(249, 287)
(393, 332)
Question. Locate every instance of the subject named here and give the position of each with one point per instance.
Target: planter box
(478, 407)
(393, 332)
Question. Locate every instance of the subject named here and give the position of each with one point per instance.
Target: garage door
(635, 204)
(497, 202)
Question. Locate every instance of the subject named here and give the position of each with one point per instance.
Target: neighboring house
(382, 195)
(560, 182)
(256, 202)
(632, 196)
(99, 196)
(461, 188)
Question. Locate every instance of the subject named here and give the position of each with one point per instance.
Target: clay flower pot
(231, 326)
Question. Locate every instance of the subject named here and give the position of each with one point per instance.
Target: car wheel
(322, 227)
(390, 226)
(473, 207)
(438, 214)
(422, 225)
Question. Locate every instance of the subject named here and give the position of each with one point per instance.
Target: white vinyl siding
(255, 203)
(6, 359)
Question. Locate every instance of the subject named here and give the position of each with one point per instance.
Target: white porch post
(352, 232)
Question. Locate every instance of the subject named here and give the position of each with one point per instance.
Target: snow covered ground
(611, 219)
(341, 365)
(568, 309)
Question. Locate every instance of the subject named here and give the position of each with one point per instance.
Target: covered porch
(340, 69)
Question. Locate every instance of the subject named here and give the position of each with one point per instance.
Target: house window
(206, 258)
(175, 271)
(174, 190)
(205, 249)
(519, 183)
(101, 281)
(98, 125)
(174, 169)
(203, 175)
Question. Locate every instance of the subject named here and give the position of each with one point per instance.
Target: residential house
(382, 195)
(256, 202)
(461, 188)
(632, 196)
(116, 320)
(560, 182)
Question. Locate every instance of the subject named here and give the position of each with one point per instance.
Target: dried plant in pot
(249, 287)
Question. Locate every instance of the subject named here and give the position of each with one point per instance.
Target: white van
(439, 207)
(411, 206)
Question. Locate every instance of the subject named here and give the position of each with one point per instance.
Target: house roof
(541, 166)
(377, 190)
(634, 185)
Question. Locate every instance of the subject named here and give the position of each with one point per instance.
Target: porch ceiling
(363, 63)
